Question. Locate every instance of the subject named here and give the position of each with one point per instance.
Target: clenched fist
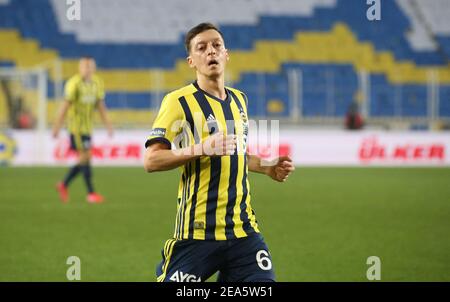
(219, 144)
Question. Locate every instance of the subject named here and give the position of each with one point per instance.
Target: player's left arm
(278, 169)
(101, 107)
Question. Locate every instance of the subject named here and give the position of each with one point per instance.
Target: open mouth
(213, 62)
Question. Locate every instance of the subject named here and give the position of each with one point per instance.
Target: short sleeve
(70, 90)
(168, 123)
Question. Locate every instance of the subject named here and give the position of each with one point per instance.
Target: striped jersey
(214, 192)
(83, 96)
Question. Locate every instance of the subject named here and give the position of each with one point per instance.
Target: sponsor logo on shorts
(179, 276)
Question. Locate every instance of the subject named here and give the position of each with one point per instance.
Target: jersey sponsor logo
(159, 132)
(179, 276)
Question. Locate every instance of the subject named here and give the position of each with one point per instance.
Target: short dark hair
(197, 30)
(87, 57)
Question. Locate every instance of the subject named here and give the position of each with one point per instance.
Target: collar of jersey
(226, 100)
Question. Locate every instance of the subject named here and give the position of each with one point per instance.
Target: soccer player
(215, 228)
(84, 93)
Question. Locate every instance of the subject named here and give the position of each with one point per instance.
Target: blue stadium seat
(36, 19)
(444, 101)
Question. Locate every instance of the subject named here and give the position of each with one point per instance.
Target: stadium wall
(306, 147)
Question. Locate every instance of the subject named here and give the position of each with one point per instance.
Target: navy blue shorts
(80, 142)
(237, 260)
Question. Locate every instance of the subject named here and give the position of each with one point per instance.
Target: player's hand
(281, 169)
(110, 132)
(55, 133)
(219, 144)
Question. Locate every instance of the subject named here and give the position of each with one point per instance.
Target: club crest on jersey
(243, 116)
(245, 126)
(244, 122)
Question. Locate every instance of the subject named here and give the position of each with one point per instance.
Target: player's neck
(86, 78)
(213, 86)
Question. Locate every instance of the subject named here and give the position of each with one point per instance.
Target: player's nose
(211, 49)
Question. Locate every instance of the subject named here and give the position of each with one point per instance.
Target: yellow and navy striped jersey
(214, 192)
(83, 96)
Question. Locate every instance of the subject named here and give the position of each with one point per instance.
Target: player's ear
(190, 62)
(227, 55)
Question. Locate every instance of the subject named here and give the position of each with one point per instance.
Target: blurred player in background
(353, 118)
(215, 228)
(84, 93)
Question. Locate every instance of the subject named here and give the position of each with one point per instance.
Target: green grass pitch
(321, 225)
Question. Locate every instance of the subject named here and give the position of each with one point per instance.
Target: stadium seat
(324, 39)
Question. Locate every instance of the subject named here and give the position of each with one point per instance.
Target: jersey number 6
(263, 260)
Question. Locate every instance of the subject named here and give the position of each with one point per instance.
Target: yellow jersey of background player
(215, 227)
(83, 94)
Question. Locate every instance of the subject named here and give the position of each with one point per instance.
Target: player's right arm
(159, 155)
(60, 118)
(70, 93)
